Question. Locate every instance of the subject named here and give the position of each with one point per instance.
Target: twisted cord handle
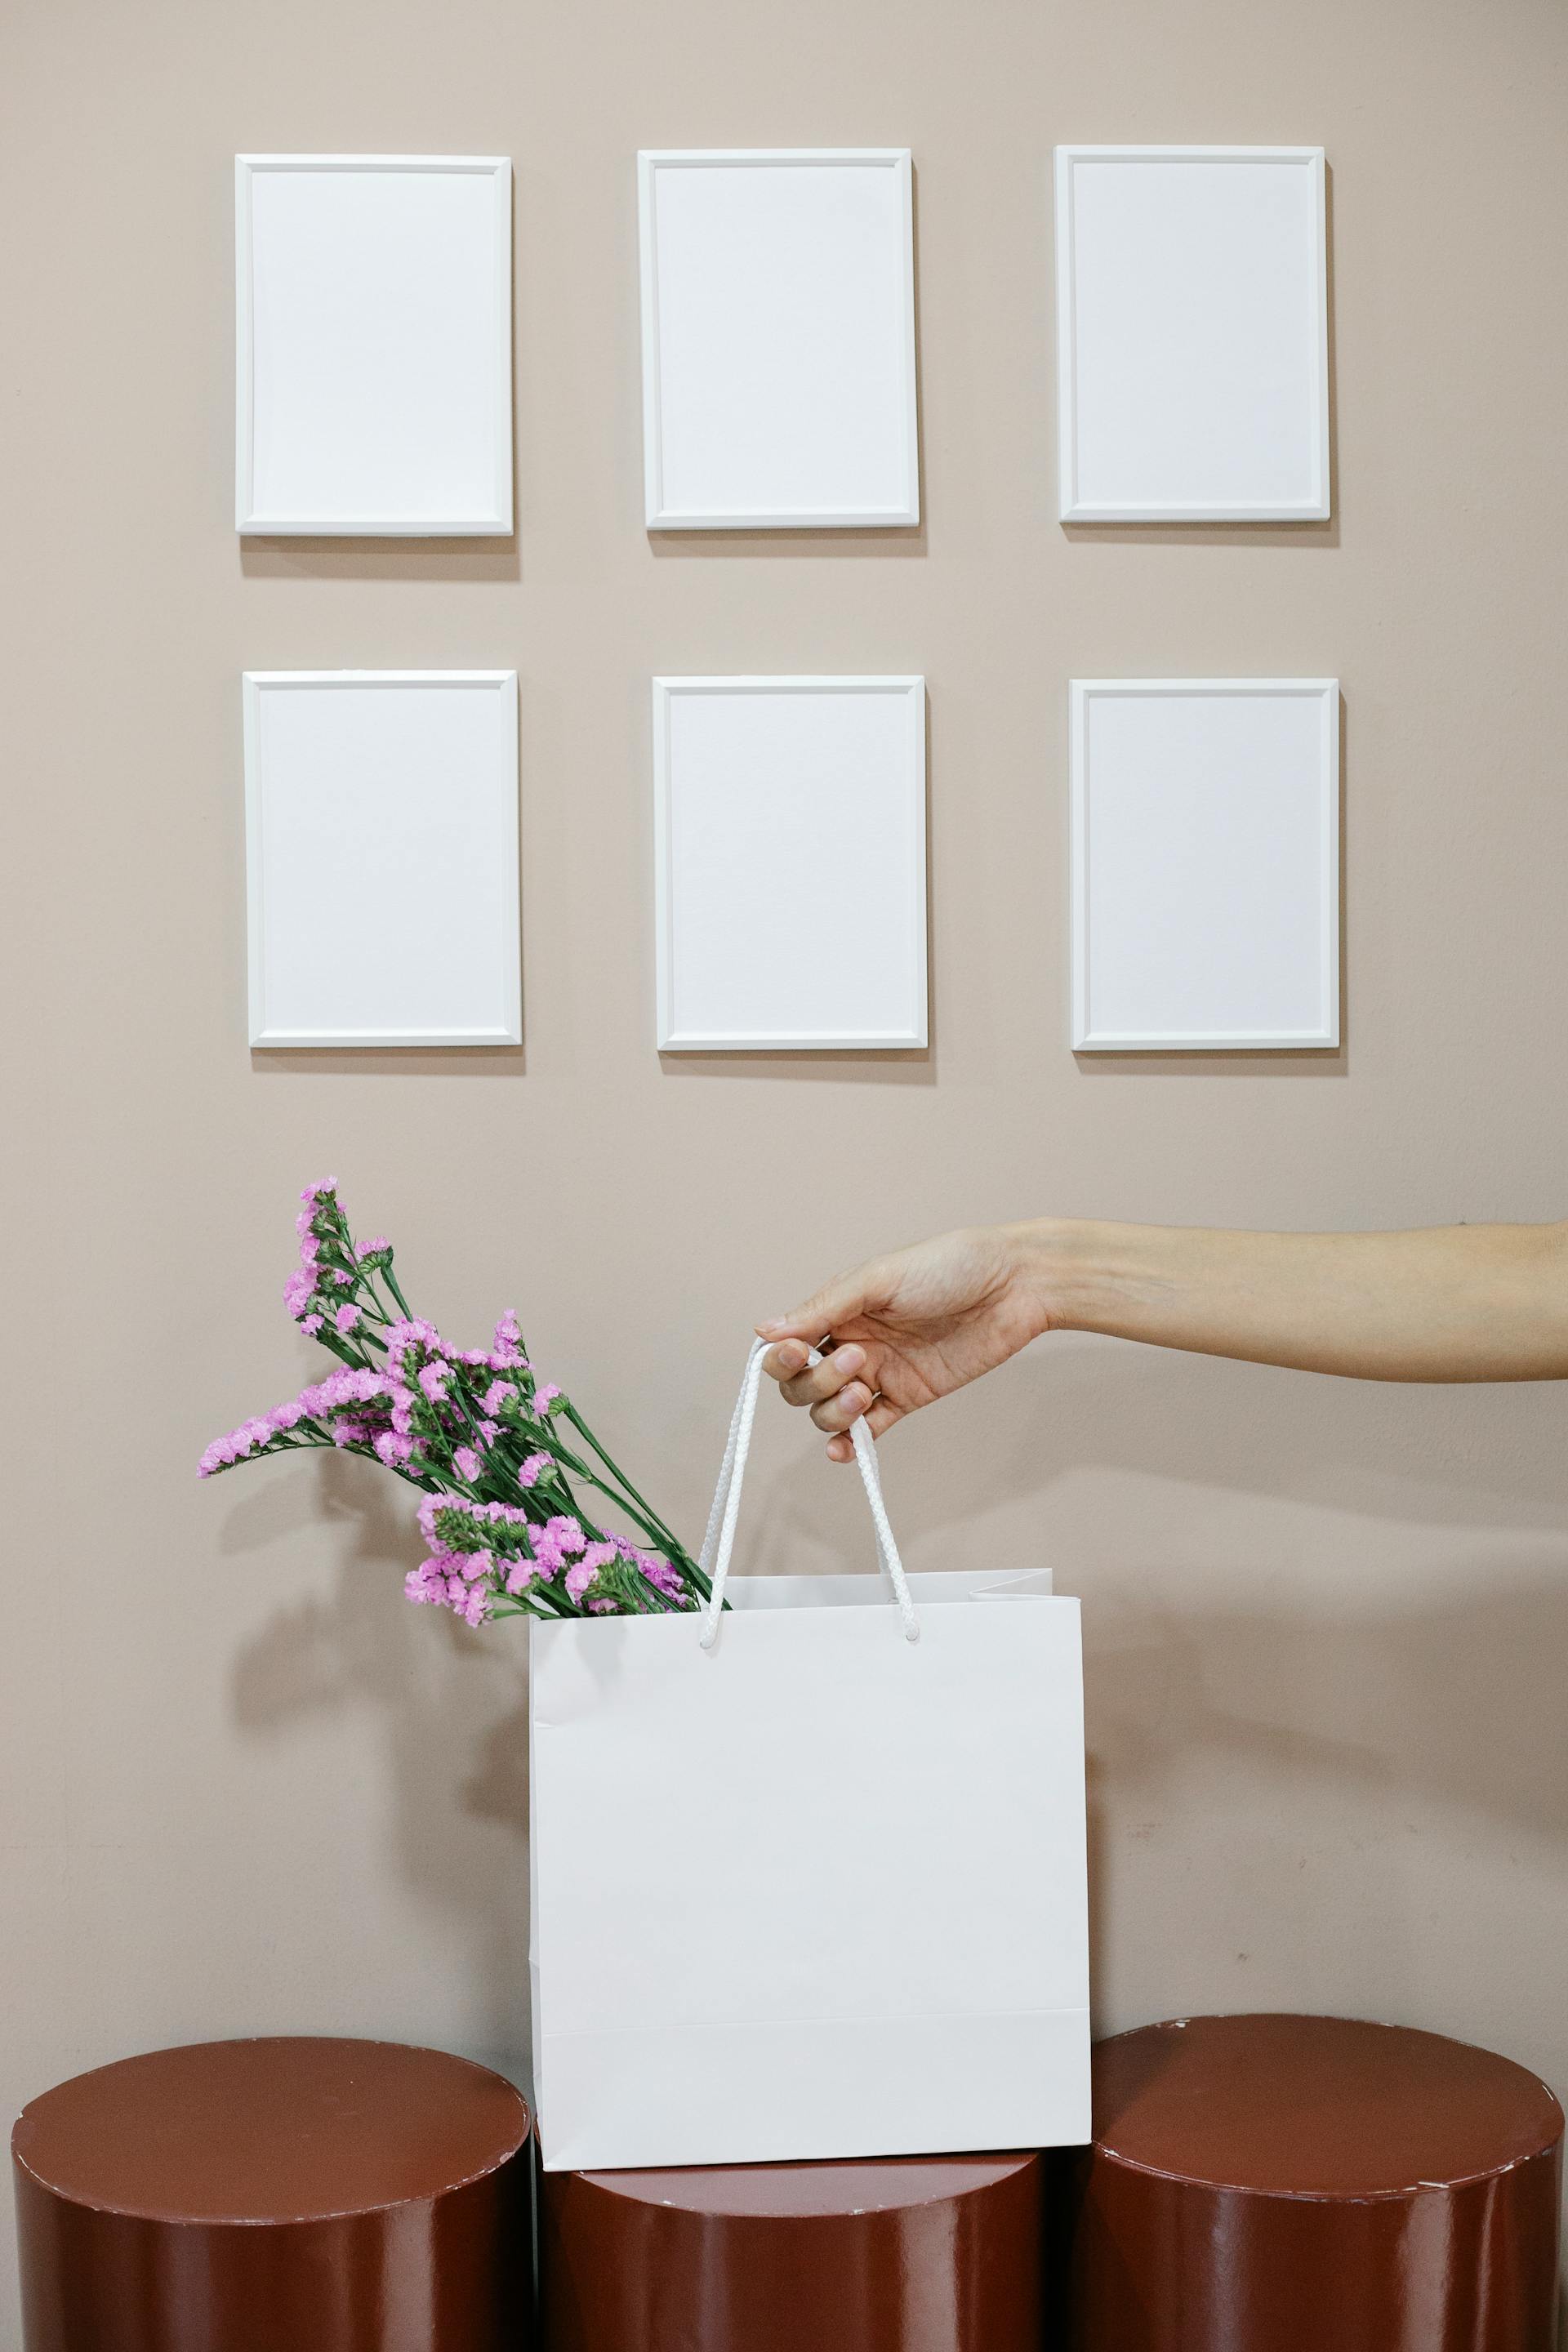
(719, 1541)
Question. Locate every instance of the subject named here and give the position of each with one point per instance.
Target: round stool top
(814, 2191)
(284, 2130)
(1314, 2106)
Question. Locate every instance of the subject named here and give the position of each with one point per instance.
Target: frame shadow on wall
(1248, 534)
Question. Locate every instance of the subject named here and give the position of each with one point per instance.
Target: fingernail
(849, 1359)
(773, 1323)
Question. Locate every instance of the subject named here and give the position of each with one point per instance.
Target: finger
(826, 1380)
(834, 1302)
(883, 1416)
(836, 1413)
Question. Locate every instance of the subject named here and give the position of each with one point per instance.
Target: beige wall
(245, 1788)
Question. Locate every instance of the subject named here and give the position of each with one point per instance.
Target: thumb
(834, 1304)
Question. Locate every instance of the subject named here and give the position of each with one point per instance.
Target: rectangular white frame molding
(867, 895)
(463, 436)
(1314, 863)
(1123, 369)
(837, 493)
(417, 906)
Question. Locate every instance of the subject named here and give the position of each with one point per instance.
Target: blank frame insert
(789, 837)
(381, 857)
(1191, 334)
(374, 344)
(778, 333)
(1205, 864)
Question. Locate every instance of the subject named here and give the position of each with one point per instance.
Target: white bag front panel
(819, 1892)
(808, 1876)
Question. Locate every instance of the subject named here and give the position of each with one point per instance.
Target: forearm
(1449, 1303)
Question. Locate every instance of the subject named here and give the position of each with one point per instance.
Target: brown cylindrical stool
(1312, 2184)
(276, 2196)
(905, 2254)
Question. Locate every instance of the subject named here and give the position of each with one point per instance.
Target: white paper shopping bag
(808, 1875)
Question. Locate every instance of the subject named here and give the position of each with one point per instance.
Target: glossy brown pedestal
(905, 2254)
(1312, 2184)
(276, 2196)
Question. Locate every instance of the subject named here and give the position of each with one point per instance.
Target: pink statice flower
(400, 1393)
(439, 1580)
(660, 1572)
(584, 1572)
(507, 1355)
(557, 1541)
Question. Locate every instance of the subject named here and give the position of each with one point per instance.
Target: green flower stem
(645, 1519)
(402, 1307)
(651, 1520)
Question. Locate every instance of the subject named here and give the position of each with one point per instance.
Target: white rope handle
(719, 1541)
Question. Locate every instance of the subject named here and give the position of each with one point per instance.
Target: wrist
(1074, 1273)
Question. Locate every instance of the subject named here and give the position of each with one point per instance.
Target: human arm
(1441, 1302)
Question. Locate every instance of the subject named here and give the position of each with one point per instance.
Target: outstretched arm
(1446, 1303)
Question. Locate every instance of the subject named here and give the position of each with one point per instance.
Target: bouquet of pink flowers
(493, 1448)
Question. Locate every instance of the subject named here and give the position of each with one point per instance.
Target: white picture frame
(1205, 864)
(1191, 334)
(381, 857)
(790, 864)
(372, 346)
(778, 339)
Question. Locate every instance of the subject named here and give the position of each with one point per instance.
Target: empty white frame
(778, 336)
(1191, 334)
(381, 857)
(374, 344)
(789, 856)
(1205, 864)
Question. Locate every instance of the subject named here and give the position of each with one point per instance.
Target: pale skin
(1444, 1303)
